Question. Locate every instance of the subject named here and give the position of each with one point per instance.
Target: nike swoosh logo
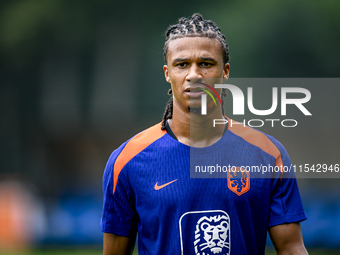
(162, 186)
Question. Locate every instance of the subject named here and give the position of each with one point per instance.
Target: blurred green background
(78, 78)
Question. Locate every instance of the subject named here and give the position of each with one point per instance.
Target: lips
(193, 92)
(191, 89)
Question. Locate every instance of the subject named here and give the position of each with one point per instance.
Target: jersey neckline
(212, 147)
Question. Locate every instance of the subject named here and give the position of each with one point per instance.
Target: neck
(194, 129)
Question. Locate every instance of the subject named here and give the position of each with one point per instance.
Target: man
(147, 185)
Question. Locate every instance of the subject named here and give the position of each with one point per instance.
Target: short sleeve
(119, 215)
(286, 205)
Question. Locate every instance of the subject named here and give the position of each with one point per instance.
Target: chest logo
(164, 185)
(205, 233)
(212, 235)
(239, 181)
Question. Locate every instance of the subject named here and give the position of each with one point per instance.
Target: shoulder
(128, 150)
(261, 140)
(137, 144)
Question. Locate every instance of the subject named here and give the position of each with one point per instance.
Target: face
(189, 59)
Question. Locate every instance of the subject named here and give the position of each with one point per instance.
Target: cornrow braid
(196, 26)
(168, 111)
(224, 94)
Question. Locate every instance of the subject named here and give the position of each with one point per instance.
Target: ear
(226, 72)
(166, 73)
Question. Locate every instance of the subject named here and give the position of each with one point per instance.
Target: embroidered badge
(238, 180)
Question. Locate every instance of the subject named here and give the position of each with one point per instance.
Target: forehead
(188, 47)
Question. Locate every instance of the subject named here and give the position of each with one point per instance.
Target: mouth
(194, 91)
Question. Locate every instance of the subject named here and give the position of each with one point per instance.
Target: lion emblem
(239, 179)
(212, 235)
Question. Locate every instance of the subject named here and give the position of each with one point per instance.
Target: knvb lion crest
(238, 180)
(212, 235)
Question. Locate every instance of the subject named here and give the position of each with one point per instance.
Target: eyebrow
(208, 59)
(177, 60)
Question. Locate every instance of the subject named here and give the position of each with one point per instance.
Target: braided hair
(196, 26)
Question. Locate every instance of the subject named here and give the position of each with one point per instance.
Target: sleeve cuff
(287, 219)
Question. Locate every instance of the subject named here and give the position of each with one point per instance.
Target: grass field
(99, 252)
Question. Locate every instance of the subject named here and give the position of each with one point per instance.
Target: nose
(215, 235)
(194, 72)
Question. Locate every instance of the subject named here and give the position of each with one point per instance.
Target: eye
(182, 64)
(206, 64)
